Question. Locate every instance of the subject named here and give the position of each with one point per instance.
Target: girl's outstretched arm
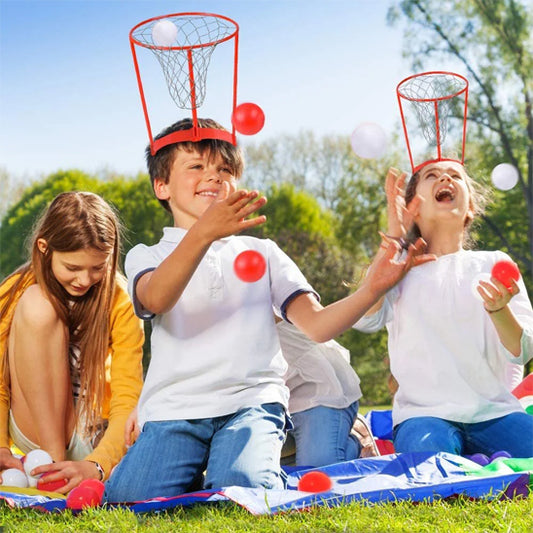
(324, 323)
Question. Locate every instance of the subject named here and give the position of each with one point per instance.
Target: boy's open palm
(227, 215)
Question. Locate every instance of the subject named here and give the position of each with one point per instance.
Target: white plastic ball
(369, 140)
(504, 176)
(164, 33)
(14, 478)
(483, 276)
(34, 459)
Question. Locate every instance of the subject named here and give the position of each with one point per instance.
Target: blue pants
(170, 457)
(512, 433)
(322, 435)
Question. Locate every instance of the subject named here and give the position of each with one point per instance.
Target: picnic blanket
(410, 476)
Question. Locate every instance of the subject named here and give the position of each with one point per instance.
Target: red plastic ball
(249, 266)
(82, 497)
(50, 486)
(315, 482)
(505, 271)
(248, 118)
(94, 484)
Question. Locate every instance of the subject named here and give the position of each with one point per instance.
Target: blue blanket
(410, 476)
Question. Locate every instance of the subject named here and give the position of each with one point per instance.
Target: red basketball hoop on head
(183, 44)
(431, 99)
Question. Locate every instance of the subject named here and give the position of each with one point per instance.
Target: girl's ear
(42, 245)
(161, 189)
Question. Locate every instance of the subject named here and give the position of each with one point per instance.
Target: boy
(214, 397)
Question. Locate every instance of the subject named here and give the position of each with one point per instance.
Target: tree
(303, 160)
(10, 191)
(491, 41)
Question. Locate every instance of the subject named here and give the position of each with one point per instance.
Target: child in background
(324, 398)
(449, 350)
(214, 397)
(71, 366)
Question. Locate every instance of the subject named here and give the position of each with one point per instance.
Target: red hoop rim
(447, 97)
(188, 47)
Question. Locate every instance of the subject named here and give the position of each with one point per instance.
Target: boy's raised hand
(227, 215)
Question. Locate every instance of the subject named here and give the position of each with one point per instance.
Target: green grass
(457, 515)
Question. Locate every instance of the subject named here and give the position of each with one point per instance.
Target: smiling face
(444, 186)
(194, 182)
(78, 271)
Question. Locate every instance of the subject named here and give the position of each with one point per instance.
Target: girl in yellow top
(70, 345)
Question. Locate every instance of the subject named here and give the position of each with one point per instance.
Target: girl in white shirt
(452, 336)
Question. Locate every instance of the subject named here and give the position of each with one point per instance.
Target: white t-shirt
(217, 350)
(318, 373)
(444, 350)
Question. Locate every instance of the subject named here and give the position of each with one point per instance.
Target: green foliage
(142, 216)
(297, 210)
(305, 232)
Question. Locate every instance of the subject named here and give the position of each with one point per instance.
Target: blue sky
(69, 98)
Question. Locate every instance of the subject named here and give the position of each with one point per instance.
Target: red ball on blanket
(315, 482)
(87, 494)
(96, 485)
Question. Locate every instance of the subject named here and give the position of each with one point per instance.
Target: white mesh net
(184, 53)
(431, 97)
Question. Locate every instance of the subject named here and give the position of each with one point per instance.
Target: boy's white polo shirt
(217, 350)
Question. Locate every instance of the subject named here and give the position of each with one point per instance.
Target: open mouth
(446, 194)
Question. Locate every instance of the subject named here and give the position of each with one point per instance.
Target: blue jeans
(512, 433)
(322, 435)
(170, 457)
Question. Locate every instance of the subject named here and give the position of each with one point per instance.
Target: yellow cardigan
(123, 373)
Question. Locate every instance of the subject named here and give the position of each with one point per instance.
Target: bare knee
(36, 328)
(35, 314)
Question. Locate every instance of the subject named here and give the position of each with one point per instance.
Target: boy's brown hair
(160, 164)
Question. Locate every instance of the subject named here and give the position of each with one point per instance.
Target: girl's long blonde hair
(73, 221)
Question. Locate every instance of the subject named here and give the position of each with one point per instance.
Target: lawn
(451, 516)
(457, 515)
